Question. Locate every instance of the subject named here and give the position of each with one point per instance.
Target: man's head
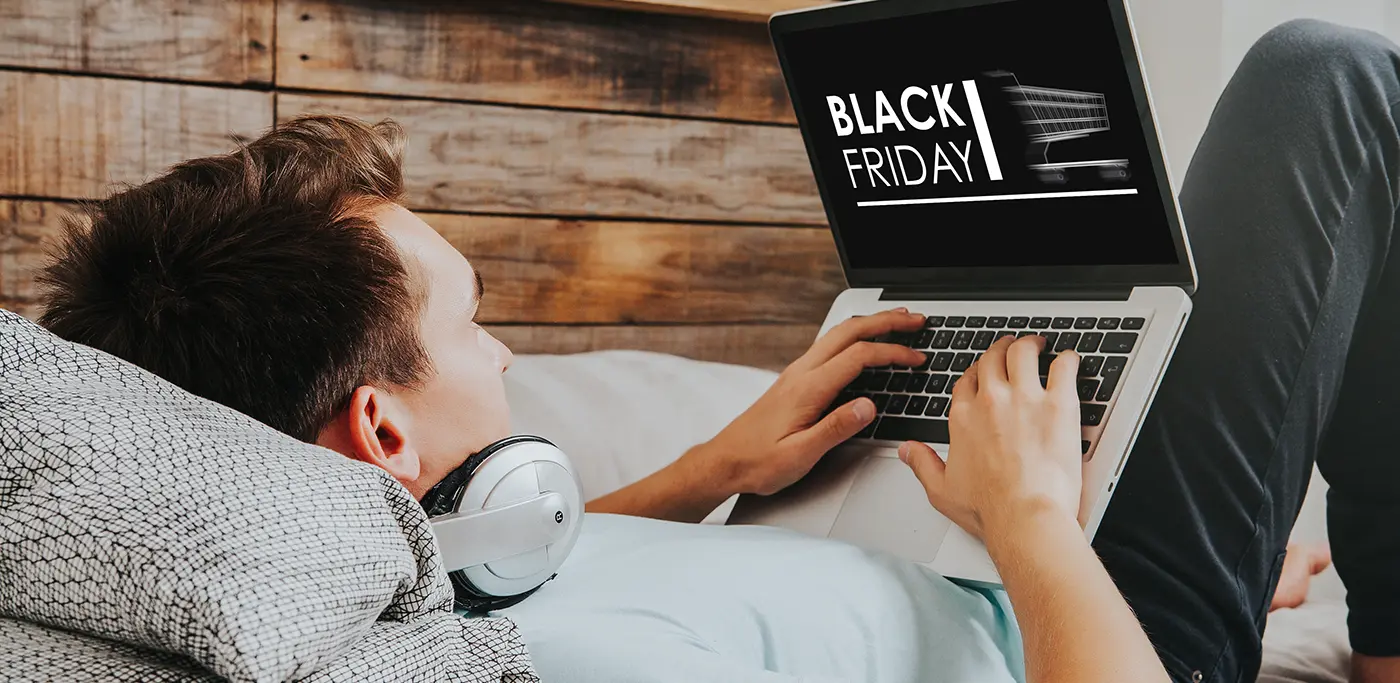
(285, 280)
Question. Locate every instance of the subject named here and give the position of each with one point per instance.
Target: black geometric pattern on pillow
(135, 512)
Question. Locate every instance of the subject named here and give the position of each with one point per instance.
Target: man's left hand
(787, 430)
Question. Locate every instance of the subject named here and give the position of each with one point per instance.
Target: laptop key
(869, 430)
(1068, 341)
(1089, 366)
(942, 339)
(881, 402)
(1025, 333)
(1112, 374)
(976, 321)
(1040, 323)
(1090, 342)
(913, 429)
(937, 384)
(1084, 447)
(955, 321)
(953, 381)
(937, 406)
(1050, 339)
(996, 321)
(941, 361)
(928, 360)
(1018, 322)
(925, 339)
(1045, 360)
(878, 381)
(897, 404)
(898, 382)
(1133, 323)
(1088, 388)
(917, 404)
(963, 361)
(1090, 414)
(1062, 323)
(933, 321)
(1119, 342)
(983, 341)
(963, 339)
(1085, 323)
(1109, 323)
(916, 383)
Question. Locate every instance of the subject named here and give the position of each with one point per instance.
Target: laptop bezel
(1016, 278)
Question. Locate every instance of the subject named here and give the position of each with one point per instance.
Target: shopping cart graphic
(1052, 115)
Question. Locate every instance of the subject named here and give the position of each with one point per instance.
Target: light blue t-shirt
(640, 600)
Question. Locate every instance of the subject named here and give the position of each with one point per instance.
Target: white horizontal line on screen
(998, 197)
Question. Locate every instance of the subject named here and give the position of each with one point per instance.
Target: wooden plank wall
(622, 179)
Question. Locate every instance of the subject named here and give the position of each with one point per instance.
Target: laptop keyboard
(912, 403)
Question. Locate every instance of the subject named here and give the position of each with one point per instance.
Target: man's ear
(376, 433)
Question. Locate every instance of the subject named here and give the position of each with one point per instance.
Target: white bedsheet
(624, 414)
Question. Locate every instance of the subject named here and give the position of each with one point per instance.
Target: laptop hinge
(1037, 294)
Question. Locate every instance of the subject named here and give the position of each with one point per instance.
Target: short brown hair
(257, 279)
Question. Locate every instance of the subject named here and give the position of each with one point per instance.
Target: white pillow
(621, 415)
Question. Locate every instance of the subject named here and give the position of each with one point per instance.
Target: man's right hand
(1015, 445)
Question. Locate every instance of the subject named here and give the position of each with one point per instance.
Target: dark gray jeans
(1291, 356)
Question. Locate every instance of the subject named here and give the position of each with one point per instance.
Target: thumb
(927, 466)
(838, 426)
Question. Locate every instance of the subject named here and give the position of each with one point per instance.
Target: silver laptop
(994, 165)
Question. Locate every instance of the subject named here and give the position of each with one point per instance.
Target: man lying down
(286, 281)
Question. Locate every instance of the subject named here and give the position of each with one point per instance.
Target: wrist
(1017, 528)
(711, 470)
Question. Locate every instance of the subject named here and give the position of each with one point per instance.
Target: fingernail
(901, 309)
(904, 453)
(865, 410)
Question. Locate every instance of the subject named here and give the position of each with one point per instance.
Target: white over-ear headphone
(505, 520)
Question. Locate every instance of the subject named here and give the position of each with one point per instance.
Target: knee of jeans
(1312, 50)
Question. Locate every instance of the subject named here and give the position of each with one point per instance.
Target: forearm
(1074, 622)
(1366, 669)
(685, 491)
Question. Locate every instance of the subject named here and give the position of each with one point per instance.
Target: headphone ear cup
(447, 497)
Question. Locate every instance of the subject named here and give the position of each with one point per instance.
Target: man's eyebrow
(480, 287)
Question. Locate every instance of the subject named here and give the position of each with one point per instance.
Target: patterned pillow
(135, 512)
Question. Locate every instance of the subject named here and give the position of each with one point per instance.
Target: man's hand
(1015, 445)
(783, 434)
(1013, 478)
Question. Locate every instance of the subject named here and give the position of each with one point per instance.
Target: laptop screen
(1003, 134)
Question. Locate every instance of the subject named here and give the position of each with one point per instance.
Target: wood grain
(565, 271)
(552, 271)
(73, 136)
(226, 41)
(764, 346)
(532, 53)
(487, 158)
(738, 10)
(26, 230)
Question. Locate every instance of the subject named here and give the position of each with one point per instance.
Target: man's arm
(1013, 478)
(782, 435)
(1368, 669)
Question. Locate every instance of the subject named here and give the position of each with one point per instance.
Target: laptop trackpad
(887, 509)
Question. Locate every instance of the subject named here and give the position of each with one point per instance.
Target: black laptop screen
(1003, 134)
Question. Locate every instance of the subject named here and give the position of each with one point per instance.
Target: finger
(1320, 558)
(834, 429)
(991, 367)
(1023, 362)
(836, 374)
(965, 389)
(842, 336)
(928, 468)
(1063, 375)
